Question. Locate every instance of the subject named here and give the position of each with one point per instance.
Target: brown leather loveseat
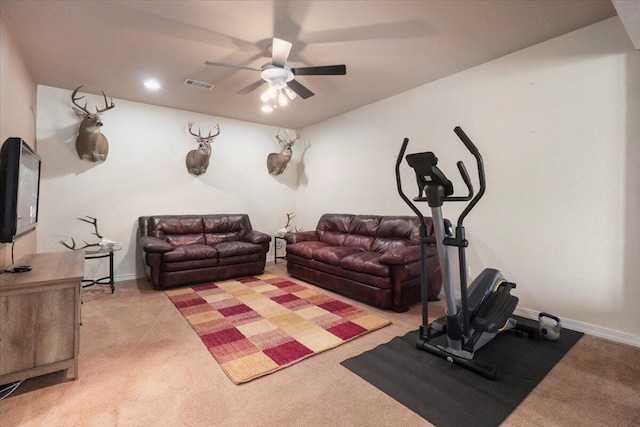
(373, 259)
(180, 250)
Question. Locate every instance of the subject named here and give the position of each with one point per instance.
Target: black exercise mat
(449, 395)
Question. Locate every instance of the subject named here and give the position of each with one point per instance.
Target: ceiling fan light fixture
(275, 75)
(282, 99)
(272, 92)
(266, 108)
(291, 94)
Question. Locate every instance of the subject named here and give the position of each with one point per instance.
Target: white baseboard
(125, 277)
(594, 330)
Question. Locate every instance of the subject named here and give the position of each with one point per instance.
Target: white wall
(145, 174)
(558, 127)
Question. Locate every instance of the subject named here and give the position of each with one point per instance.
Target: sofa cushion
(168, 225)
(335, 222)
(332, 238)
(401, 227)
(215, 238)
(240, 259)
(384, 244)
(367, 279)
(189, 265)
(223, 223)
(185, 239)
(365, 262)
(334, 228)
(236, 248)
(305, 249)
(333, 254)
(313, 264)
(190, 252)
(364, 243)
(365, 225)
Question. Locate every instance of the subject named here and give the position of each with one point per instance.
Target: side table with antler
(103, 249)
(101, 253)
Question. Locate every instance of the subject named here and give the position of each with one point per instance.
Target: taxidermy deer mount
(277, 162)
(91, 144)
(198, 160)
(103, 243)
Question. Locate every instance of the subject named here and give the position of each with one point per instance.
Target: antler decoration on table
(290, 216)
(103, 241)
(286, 228)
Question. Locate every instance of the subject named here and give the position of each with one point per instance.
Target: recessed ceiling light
(152, 84)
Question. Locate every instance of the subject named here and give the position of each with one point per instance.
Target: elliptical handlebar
(467, 181)
(481, 177)
(413, 207)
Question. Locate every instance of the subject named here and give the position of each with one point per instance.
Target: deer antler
(90, 220)
(106, 104)
(98, 111)
(93, 221)
(73, 244)
(290, 216)
(287, 141)
(190, 125)
(200, 137)
(217, 133)
(74, 99)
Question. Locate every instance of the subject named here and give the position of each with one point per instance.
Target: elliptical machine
(487, 304)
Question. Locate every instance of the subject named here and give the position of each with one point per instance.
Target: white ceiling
(388, 46)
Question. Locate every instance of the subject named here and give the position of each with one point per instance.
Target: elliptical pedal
(495, 312)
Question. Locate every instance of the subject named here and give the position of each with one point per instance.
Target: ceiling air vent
(199, 85)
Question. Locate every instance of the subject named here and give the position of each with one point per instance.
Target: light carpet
(254, 326)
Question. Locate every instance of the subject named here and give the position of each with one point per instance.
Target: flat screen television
(20, 187)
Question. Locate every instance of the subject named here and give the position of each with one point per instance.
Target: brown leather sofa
(180, 250)
(373, 259)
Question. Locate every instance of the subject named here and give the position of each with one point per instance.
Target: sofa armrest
(302, 236)
(401, 256)
(258, 237)
(151, 244)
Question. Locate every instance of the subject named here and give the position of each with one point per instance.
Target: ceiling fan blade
(298, 88)
(323, 70)
(224, 64)
(280, 52)
(251, 87)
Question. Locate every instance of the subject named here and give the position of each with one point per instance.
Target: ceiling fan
(280, 76)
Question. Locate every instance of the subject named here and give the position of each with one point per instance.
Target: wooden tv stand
(40, 316)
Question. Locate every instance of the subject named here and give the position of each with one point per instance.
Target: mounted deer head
(277, 162)
(198, 159)
(91, 144)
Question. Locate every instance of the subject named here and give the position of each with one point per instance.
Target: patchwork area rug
(254, 326)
